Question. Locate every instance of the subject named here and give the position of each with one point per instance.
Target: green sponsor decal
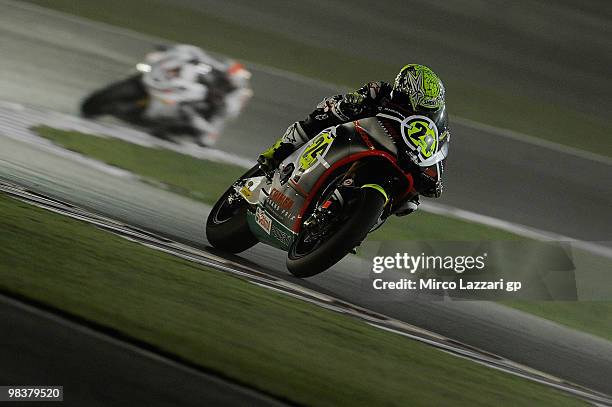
(270, 230)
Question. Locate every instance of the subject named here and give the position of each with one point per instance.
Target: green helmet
(418, 86)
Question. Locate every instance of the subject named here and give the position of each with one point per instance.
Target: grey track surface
(96, 370)
(60, 60)
(556, 51)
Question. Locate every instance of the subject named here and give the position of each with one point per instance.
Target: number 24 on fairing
(318, 148)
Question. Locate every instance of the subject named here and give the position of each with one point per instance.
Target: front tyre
(306, 260)
(226, 227)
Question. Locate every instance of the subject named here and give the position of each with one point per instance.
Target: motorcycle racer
(192, 92)
(417, 91)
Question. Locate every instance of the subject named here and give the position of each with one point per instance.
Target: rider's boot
(294, 138)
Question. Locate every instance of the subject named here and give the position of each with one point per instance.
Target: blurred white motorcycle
(178, 90)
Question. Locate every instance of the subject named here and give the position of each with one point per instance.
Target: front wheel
(308, 256)
(226, 227)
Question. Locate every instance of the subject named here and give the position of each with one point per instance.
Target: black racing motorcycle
(328, 195)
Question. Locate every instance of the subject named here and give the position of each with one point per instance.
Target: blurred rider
(417, 90)
(192, 92)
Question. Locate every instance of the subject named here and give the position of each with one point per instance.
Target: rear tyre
(305, 261)
(119, 98)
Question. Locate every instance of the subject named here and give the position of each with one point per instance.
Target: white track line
(516, 228)
(527, 139)
(17, 120)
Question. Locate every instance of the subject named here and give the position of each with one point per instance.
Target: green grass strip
(198, 179)
(275, 343)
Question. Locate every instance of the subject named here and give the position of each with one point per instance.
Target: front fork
(338, 199)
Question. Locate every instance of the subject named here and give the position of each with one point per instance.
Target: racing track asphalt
(41, 348)
(61, 60)
(557, 51)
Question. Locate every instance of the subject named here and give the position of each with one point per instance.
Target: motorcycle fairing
(376, 131)
(282, 202)
(269, 229)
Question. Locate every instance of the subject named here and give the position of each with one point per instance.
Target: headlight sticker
(420, 134)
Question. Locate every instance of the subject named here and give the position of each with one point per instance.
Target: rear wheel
(120, 98)
(312, 254)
